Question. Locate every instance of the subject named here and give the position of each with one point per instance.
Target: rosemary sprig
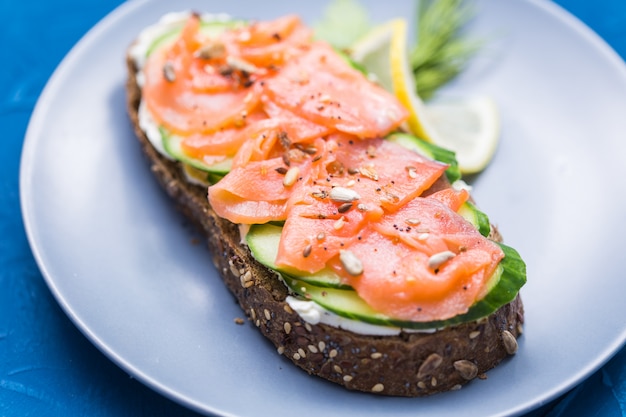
(442, 49)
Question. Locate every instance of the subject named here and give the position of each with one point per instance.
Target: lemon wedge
(468, 126)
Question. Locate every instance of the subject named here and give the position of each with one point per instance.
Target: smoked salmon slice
(306, 134)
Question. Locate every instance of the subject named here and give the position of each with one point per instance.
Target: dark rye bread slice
(410, 364)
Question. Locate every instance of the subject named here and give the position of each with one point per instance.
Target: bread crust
(409, 364)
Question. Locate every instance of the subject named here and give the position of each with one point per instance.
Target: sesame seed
(287, 327)
(337, 369)
(350, 262)
(474, 334)
(369, 172)
(288, 309)
(296, 356)
(339, 223)
(321, 236)
(412, 171)
(412, 222)
(438, 259)
(291, 176)
(376, 355)
(421, 385)
(378, 387)
(212, 50)
(307, 251)
(267, 314)
(332, 353)
(233, 268)
(350, 183)
(433, 381)
(347, 378)
(253, 314)
(248, 284)
(302, 352)
(258, 323)
(280, 350)
(308, 326)
(322, 346)
(168, 72)
(313, 348)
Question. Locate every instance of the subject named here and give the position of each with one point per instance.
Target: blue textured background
(47, 367)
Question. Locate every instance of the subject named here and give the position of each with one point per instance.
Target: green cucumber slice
(505, 285)
(430, 151)
(326, 289)
(479, 219)
(172, 145)
(263, 240)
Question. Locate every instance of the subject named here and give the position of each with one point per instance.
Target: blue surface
(47, 367)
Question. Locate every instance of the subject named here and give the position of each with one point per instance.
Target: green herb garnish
(442, 50)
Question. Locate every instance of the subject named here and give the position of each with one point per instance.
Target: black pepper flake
(281, 170)
(276, 37)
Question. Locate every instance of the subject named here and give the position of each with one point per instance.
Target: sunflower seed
(351, 263)
(343, 195)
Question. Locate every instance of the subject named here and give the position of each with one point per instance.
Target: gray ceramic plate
(123, 265)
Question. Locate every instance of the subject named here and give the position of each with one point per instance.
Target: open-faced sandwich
(350, 243)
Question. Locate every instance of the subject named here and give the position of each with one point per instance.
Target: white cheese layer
(313, 313)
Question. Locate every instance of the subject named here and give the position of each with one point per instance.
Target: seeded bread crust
(409, 365)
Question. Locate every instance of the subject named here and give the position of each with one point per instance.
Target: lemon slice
(468, 126)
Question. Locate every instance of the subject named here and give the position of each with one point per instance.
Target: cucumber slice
(479, 219)
(263, 240)
(172, 145)
(505, 284)
(430, 151)
(210, 28)
(325, 288)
